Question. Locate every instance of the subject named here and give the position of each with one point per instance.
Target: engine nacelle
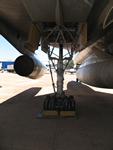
(29, 66)
(97, 70)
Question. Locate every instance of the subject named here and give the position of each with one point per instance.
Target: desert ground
(20, 129)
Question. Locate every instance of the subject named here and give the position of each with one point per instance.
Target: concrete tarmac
(20, 129)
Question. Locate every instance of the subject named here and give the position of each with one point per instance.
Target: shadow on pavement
(20, 129)
(16, 118)
(79, 88)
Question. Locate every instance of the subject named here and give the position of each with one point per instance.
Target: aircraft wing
(75, 24)
(25, 23)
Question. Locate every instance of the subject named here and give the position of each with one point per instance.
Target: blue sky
(8, 52)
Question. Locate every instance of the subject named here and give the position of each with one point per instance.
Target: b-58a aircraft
(84, 26)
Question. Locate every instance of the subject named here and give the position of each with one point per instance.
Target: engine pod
(28, 66)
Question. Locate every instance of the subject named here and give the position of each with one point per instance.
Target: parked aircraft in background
(71, 71)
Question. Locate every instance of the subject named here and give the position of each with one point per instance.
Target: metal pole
(60, 72)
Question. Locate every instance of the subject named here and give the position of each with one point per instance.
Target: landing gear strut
(59, 104)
